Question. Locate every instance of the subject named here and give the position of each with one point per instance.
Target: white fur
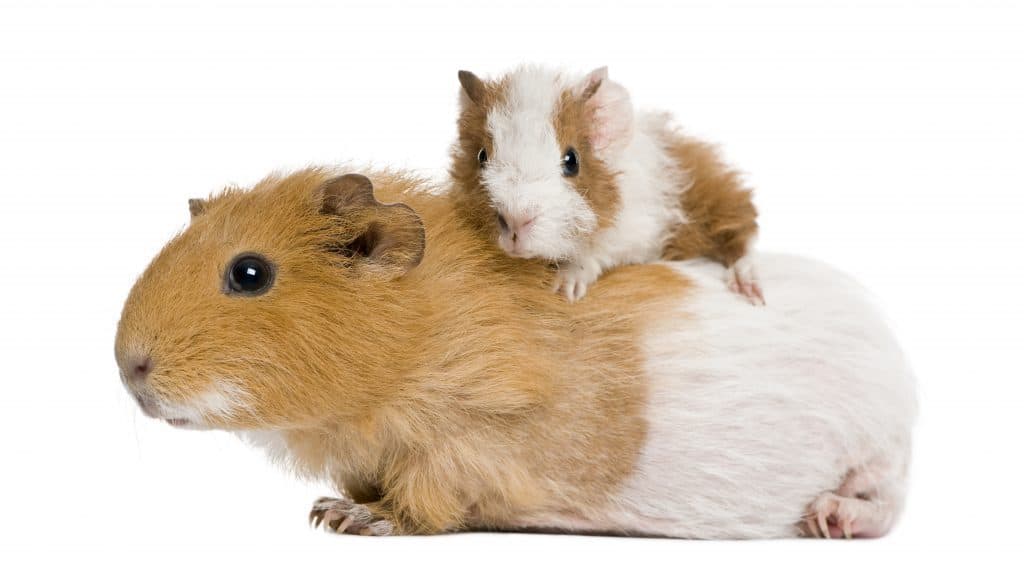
(272, 442)
(222, 400)
(650, 185)
(524, 173)
(754, 412)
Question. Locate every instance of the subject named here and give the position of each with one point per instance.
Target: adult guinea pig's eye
(250, 275)
(570, 163)
(481, 156)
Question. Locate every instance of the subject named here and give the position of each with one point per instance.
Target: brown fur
(720, 208)
(468, 194)
(460, 394)
(595, 182)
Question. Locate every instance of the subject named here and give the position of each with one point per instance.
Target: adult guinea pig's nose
(142, 366)
(136, 368)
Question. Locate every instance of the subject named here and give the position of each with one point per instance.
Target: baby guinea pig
(560, 167)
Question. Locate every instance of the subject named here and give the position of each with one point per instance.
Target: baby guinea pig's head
(537, 149)
(277, 306)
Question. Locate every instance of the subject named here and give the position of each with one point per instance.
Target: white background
(884, 137)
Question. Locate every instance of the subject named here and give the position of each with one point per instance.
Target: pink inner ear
(611, 116)
(592, 81)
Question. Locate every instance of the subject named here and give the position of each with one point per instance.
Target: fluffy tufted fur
(643, 191)
(445, 388)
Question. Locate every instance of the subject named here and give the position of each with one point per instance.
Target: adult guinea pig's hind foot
(741, 278)
(343, 516)
(835, 516)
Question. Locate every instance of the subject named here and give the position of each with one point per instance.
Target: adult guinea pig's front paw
(742, 279)
(343, 516)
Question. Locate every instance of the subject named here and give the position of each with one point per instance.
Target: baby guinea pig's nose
(515, 225)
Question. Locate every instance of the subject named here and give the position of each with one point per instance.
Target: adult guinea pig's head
(539, 149)
(277, 306)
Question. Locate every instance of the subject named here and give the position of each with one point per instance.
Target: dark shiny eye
(570, 163)
(250, 275)
(481, 156)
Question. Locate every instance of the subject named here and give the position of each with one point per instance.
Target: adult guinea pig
(375, 341)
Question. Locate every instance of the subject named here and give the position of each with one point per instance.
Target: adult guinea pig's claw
(823, 525)
(319, 510)
(343, 516)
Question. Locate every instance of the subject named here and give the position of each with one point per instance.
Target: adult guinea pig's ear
(386, 238)
(196, 206)
(473, 87)
(609, 111)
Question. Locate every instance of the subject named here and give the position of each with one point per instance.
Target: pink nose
(516, 226)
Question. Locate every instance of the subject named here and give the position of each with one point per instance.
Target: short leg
(343, 516)
(742, 279)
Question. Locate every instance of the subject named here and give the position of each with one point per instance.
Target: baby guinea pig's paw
(343, 516)
(742, 279)
(573, 278)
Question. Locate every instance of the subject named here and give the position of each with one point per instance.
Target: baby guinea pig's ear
(196, 206)
(388, 239)
(473, 88)
(609, 111)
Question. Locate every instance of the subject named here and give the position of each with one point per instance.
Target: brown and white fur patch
(642, 191)
(439, 386)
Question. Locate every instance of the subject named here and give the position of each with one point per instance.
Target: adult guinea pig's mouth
(154, 409)
(179, 422)
(148, 406)
(186, 423)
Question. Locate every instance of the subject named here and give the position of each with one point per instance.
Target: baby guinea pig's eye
(481, 156)
(249, 275)
(570, 163)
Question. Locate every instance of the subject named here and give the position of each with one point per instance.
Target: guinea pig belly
(753, 412)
